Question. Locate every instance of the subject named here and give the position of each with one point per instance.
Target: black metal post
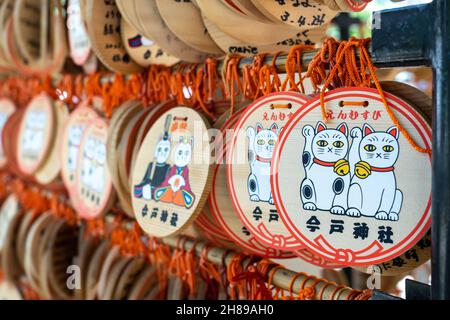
(440, 287)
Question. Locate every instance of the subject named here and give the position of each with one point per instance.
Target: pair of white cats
(94, 165)
(363, 185)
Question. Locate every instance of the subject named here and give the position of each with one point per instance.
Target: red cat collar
(324, 163)
(264, 160)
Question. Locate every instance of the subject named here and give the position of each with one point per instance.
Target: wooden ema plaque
(94, 192)
(51, 168)
(244, 28)
(300, 15)
(8, 212)
(154, 27)
(221, 208)
(232, 45)
(72, 135)
(357, 193)
(7, 108)
(143, 50)
(35, 134)
(184, 19)
(80, 45)
(248, 167)
(103, 21)
(171, 177)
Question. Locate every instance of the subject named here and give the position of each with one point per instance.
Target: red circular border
(292, 124)
(248, 112)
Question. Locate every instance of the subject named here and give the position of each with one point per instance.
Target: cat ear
(393, 132)
(259, 128)
(367, 129)
(343, 128)
(274, 128)
(320, 127)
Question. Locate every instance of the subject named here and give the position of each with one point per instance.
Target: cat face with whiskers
(330, 145)
(265, 141)
(379, 149)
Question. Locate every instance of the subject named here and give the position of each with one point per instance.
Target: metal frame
(418, 36)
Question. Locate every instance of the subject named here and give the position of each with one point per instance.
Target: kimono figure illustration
(176, 188)
(158, 169)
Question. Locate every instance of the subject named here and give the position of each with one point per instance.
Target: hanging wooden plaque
(184, 19)
(7, 108)
(80, 45)
(243, 28)
(357, 177)
(307, 15)
(51, 168)
(74, 130)
(35, 134)
(156, 29)
(248, 167)
(171, 181)
(94, 192)
(103, 21)
(232, 45)
(222, 208)
(143, 50)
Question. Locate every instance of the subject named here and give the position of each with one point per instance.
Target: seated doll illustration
(158, 169)
(176, 188)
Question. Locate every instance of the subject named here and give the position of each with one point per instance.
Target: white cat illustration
(261, 146)
(327, 180)
(373, 190)
(75, 134)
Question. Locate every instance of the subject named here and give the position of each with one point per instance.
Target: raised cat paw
(356, 133)
(381, 216)
(310, 206)
(255, 198)
(393, 216)
(353, 212)
(308, 131)
(337, 210)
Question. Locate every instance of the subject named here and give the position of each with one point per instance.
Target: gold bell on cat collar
(342, 167)
(362, 170)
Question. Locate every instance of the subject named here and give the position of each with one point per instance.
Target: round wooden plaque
(243, 28)
(306, 15)
(29, 23)
(143, 50)
(146, 280)
(35, 134)
(80, 45)
(7, 108)
(184, 19)
(51, 167)
(172, 180)
(156, 29)
(8, 212)
(103, 21)
(245, 8)
(221, 207)
(72, 135)
(356, 177)
(94, 192)
(6, 10)
(95, 268)
(232, 45)
(248, 167)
